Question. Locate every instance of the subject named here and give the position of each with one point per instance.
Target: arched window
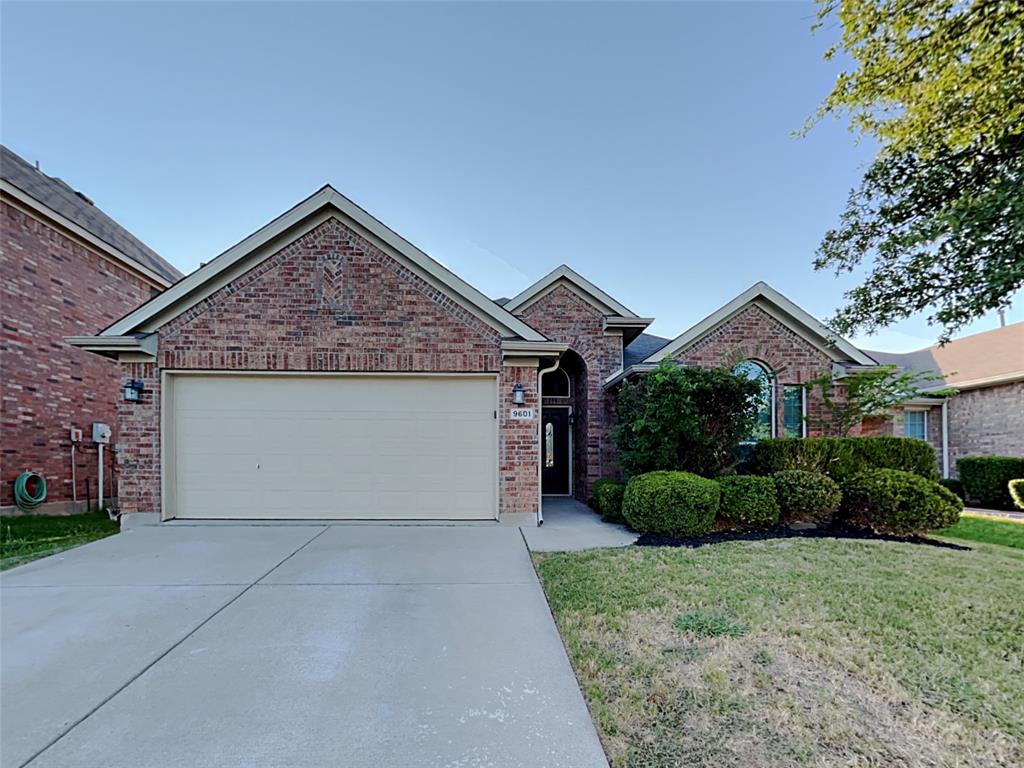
(765, 426)
(556, 384)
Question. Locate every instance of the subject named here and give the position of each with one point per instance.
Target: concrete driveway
(288, 645)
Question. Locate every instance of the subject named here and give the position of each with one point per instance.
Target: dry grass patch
(797, 652)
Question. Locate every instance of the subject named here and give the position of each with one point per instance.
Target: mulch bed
(785, 532)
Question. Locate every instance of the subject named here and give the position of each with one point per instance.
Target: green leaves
(940, 211)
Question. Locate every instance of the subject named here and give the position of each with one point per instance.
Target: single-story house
(986, 415)
(66, 268)
(325, 367)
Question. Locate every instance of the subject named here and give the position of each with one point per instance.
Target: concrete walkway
(570, 525)
(295, 646)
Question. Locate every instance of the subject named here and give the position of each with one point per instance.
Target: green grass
(861, 653)
(987, 530)
(27, 538)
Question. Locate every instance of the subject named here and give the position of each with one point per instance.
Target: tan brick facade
(53, 286)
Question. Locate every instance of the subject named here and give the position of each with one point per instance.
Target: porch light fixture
(133, 391)
(518, 394)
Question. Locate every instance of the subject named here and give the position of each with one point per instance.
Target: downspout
(945, 437)
(540, 436)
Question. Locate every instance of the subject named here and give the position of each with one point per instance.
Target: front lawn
(30, 537)
(797, 652)
(987, 530)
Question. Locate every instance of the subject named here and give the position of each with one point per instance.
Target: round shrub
(899, 503)
(671, 503)
(748, 501)
(608, 499)
(806, 497)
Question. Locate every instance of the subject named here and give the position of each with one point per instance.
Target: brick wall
(987, 421)
(563, 316)
(52, 287)
(754, 334)
(332, 301)
(519, 447)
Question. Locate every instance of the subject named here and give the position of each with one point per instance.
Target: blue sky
(649, 146)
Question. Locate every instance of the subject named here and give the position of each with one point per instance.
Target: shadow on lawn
(785, 532)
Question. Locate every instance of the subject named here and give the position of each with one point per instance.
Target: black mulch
(785, 532)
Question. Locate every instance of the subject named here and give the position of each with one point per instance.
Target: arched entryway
(564, 427)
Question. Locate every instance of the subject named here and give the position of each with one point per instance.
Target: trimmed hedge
(842, 457)
(899, 503)
(806, 497)
(1017, 492)
(748, 501)
(671, 503)
(608, 499)
(987, 479)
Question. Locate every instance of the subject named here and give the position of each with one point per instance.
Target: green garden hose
(25, 497)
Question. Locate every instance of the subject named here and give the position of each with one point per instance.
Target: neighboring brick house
(986, 415)
(66, 269)
(324, 367)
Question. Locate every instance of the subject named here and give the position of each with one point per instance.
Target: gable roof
(59, 198)
(782, 309)
(981, 359)
(582, 286)
(322, 205)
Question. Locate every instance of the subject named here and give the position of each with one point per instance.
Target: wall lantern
(133, 391)
(518, 394)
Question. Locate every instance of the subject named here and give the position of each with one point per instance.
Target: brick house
(986, 415)
(66, 268)
(325, 367)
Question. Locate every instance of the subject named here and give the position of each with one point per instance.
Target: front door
(555, 451)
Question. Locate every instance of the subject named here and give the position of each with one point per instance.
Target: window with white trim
(793, 424)
(915, 424)
(765, 426)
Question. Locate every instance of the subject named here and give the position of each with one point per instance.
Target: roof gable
(782, 309)
(294, 223)
(564, 275)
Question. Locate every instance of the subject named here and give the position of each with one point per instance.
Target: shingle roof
(643, 346)
(986, 357)
(57, 195)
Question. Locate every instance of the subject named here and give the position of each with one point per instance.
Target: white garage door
(358, 447)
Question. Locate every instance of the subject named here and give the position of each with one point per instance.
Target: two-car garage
(304, 446)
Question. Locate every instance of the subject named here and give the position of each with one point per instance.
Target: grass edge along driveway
(797, 652)
(29, 537)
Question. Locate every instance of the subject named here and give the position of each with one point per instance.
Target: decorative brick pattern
(51, 286)
(564, 316)
(332, 301)
(756, 335)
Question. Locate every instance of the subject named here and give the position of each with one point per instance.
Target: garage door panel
(334, 447)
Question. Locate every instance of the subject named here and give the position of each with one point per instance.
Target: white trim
(986, 381)
(945, 438)
(105, 248)
(588, 290)
(116, 346)
(805, 325)
(624, 373)
(168, 478)
(327, 202)
(922, 410)
(803, 412)
(532, 348)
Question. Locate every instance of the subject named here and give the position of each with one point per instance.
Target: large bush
(987, 479)
(900, 503)
(748, 501)
(806, 497)
(608, 499)
(687, 419)
(841, 457)
(671, 503)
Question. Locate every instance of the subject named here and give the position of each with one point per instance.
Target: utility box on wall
(101, 433)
